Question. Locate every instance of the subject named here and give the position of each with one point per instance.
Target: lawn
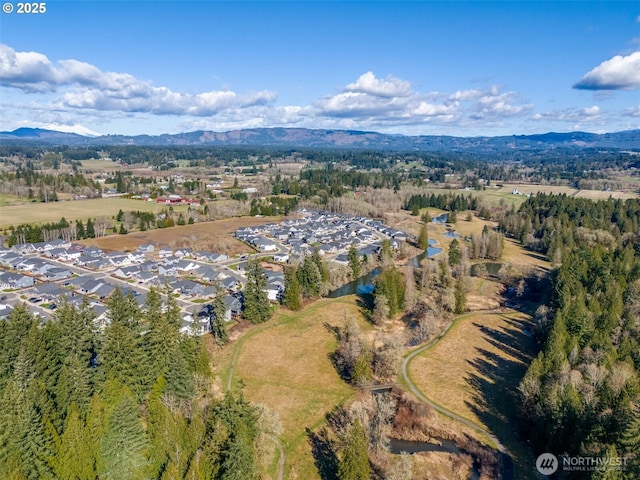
(285, 364)
(474, 371)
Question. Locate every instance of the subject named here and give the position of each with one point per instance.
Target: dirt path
(506, 457)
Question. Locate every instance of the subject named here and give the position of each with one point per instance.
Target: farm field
(474, 371)
(17, 214)
(285, 365)
(214, 236)
(495, 196)
(100, 165)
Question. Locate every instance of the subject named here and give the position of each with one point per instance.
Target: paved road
(506, 457)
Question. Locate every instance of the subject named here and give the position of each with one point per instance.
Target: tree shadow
(495, 399)
(365, 302)
(504, 339)
(324, 455)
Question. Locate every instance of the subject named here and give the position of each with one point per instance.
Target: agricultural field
(285, 365)
(6, 200)
(17, 214)
(494, 196)
(100, 165)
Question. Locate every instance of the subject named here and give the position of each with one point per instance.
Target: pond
(452, 234)
(430, 252)
(361, 286)
(398, 446)
(442, 218)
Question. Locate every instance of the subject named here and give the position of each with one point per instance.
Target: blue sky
(453, 68)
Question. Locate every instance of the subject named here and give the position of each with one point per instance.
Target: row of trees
(68, 231)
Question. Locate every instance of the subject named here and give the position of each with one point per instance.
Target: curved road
(507, 462)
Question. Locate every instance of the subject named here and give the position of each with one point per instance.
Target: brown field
(287, 367)
(474, 372)
(214, 236)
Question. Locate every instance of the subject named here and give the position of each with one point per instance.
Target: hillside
(352, 139)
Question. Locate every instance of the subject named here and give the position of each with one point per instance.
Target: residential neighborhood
(42, 274)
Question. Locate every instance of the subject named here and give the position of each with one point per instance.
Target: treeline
(581, 394)
(273, 206)
(68, 231)
(555, 224)
(28, 181)
(130, 401)
(332, 181)
(444, 201)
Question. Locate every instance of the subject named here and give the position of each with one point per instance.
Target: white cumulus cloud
(85, 86)
(368, 84)
(618, 73)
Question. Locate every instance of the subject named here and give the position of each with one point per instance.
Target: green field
(503, 195)
(74, 210)
(96, 164)
(285, 365)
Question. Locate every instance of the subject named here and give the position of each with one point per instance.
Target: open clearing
(286, 366)
(213, 236)
(495, 196)
(474, 371)
(76, 210)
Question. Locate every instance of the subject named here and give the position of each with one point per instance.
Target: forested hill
(351, 139)
(581, 394)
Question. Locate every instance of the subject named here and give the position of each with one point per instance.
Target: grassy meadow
(285, 364)
(474, 371)
(16, 214)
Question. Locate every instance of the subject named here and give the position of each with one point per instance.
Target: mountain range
(342, 139)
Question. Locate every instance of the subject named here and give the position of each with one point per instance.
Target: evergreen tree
(217, 315)
(390, 283)
(80, 233)
(455, 256)
(460, 294)
(74, 458)
(123, 445)
(354, 463)
(322, 268)
(121, 355)
(292, 295)
(423, 237)
(256, 303)
(309, 278)
(161, 337)
(354, 261)
(90, 230)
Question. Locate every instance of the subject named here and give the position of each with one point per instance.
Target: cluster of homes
(42, 273)
(330, 233)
